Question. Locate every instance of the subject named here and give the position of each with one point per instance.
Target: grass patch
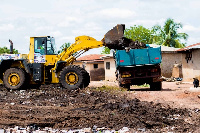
(109, 88)
(141, 86)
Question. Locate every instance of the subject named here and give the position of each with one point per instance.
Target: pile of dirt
(53, 106)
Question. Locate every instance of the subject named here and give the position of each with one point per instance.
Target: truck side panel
(155, 55)
(138, 57)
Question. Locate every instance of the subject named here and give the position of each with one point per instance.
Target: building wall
(168, 61)
(95, 73)
(110, 73)
(78, 63)
(191, 69)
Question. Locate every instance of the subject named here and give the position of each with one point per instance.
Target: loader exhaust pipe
(11, 46)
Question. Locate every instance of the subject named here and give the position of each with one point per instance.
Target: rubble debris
(172, 79)
(187, 92)
(18, 129)
(59, 109)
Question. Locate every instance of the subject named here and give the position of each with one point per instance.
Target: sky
(67, 19)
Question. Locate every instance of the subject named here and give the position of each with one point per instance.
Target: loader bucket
(112, 37)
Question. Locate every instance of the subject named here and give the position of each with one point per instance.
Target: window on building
(95, 65)
(107, 65)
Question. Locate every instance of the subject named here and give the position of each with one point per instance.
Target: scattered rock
(186, 92)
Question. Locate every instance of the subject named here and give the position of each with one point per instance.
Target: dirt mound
(55, 107)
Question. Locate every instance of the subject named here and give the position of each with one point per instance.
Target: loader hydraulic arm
(81, 45)
(84, 43)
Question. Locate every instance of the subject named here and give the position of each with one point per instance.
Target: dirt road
(173, 93)
(56, 107)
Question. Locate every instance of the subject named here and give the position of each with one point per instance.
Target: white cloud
(194, 4)
(56, 33)
(69, 20)
(66, 39)
(190, 28)
(43, 28)
(66, 19)
(89, 28)
(192, 40)
(7, 27)
(117, 13)
(146, 22)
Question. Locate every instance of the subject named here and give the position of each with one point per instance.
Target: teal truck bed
(147, 56)
(139, 66)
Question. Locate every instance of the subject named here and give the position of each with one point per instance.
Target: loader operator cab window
(40, 45)
(45, 45)
(51, 48)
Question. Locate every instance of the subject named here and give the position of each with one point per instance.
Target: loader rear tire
(73, 77)
(14, 78)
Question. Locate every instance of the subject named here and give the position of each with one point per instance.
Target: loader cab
(42, 50)
(44, 45)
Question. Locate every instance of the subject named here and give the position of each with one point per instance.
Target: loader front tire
(14, 78)
(73, 77)
(86, 79)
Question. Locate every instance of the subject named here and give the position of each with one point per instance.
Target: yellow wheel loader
(43, 65)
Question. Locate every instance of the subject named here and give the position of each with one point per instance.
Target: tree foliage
(139, 33)
(5, 50)
(105, 50)
(168, 34)
(62, 47)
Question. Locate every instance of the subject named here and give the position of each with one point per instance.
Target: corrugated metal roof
(91, 57)
(193, 46)
(164, 48)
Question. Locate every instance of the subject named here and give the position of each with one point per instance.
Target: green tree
(62, 47)
(139, 33)
(105, 50)
(168, 34)
(5, 50)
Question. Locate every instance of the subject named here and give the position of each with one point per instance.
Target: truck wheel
(156, 86)
(73, 77)
(126, 86)
(14, 78)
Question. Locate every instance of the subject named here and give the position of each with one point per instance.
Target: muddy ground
(175, 108)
